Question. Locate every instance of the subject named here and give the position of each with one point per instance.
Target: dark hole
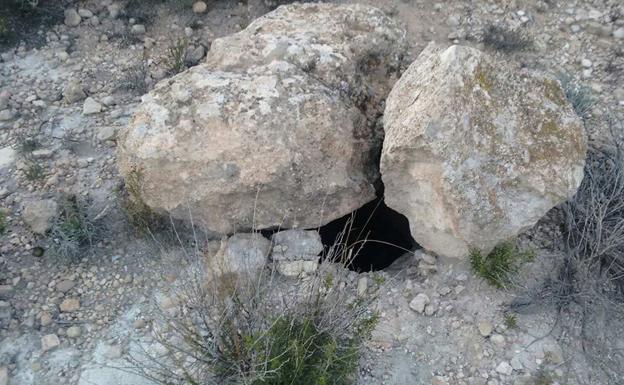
(378, 235)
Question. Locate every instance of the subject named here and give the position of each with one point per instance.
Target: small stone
(46, 319)
(199, 7)
(38, 215)
(85, 13)
(65, 285)
(619, 33)
(91, 106)
(73, 92)
(72, 18)
(4, 375)
(485, 328)
(504, 368)
(586, 63)
(139, 323)
(70, 305)
(7, 156)
(516, 363)
(438, 381)
(138, 29)
(498, 339)
(113, 352)
(74, 332)
(106, 133)
(462, 277)
(362, 286)
(6, 115)
(49, 342)
(430, 309)
(114, 10)
(419, 302)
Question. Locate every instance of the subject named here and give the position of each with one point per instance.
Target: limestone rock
(199, 7)
(296, 252)
(274, 129)
(70, 305)
(38, 215)
(7, 156)
(241, 253)
(49, 342)
(477, 150)
(91, 106)
(419, 302)
(73, 92)
(72, 18)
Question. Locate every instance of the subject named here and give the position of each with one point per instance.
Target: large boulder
(477, 150)
(355, 49)
(269, 131)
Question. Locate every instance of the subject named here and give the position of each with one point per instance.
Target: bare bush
(502, 38)
(586, 284)
(257, 327)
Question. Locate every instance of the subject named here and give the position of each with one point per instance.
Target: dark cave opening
(377, 234)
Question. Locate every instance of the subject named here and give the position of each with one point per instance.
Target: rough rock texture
(39, 215)
(275, 128)
(477, 151)
(296, 252)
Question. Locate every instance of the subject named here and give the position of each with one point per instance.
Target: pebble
(4, 375)
(139, 323)
(498, 339)
(72, 18)
(200, 7)
(138, 29)
(74, 332)
(65, 285)
(85, 13)
(49, 342)
(362, 286)
(419, 302)
(70, 305)
(485, 328)
(619, 33)
(91, 106)
(46, 319)
(504, 368)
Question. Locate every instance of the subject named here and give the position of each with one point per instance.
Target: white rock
(73, 91)
(477, 150)
(504, 368)
(6, 114)
(49, 342)
(4, 375)
(485, 328)
(619, 33)
(39, 214)
(200, 7)
(419, 302)
(74, 332)
(85, 13)
(91, 106)
(138, 29)
(7, 156)
(498, 339)
(216, 140)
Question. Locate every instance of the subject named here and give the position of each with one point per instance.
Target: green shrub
(176, 56)
(511, 321)
(259, 329)
(498, 266)
(34, 171)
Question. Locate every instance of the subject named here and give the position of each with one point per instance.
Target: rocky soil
(62, 103)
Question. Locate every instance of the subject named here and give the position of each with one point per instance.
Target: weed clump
(498, 266)
(140, 216)
(176, 56)
(3, 221)
(579, 96)
(258, 328)
(74, 229)
(505, 39)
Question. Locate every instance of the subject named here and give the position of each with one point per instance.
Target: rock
(199, 7)
(195, 55)
(477, 150)
(114, 10)
(70, 305)
(138, 29)
(7, 156)
(72, 18)
(106, 133)
(419, 302)
(362, 286)
(242, 253)
(91, 106)
(504, 368)
(46, 319)
(85, 13)
(216, 139)
(49, 342)
(113, 352)
(73, 92)
(498, 339)
(65, 285)
(619, 33)
(485, 328)
(296, 251)
(4, 375)
(39, 215)
(139, 323)
(74, 332)
(6, 115)
(5, 310)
